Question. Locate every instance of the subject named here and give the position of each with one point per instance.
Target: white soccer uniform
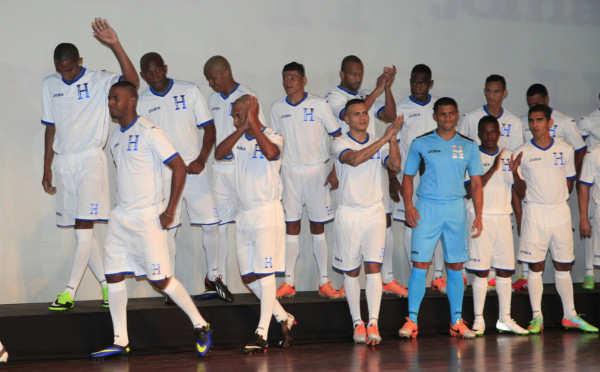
(564, 128)
(135, 240)
(359, 226)
(260, 229)
(511, 128)
(180, 111)
(223, 173)
(546, 214)
(79, 112)
(306, 127)
(590, 176)
(589, 127)
(494, 247)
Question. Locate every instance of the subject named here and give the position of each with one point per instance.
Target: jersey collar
(123, 130)
(347, 91)
(166, 91)
(294, 105)
(490, 154)
(542, 148)
(487, 112)
(419, 103)
(355, 140)
(252, 138)
(230, 93)
(77, 78)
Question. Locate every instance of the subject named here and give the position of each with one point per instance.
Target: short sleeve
(588, 169)
(338, 147)
(329, 122)
(47, 117)
(157, 141)
(337, 103)
(201, 112)
(572, 136)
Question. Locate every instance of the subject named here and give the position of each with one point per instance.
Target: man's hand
(252, 116)
(585, 229)
(332, 180)
(477, 226)
(395, 189)
(196, 167)
(412, 216)
(514, 163)
(165, 220)
(392, 129)
(103, 32)
(47, 183)
(390, 72)
(496, 164)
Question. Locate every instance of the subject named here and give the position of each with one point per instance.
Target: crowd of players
(321, 154)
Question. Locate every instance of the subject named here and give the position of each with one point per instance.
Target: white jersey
(546, 171)
(337, 99)
(590, 172)
(306, 127)
(418, 120)
(256, 178)
(78, 110)
(589, 127)
(220, 109)
(511, 128)
(140, 152)
(497, 192)
(359, 186)
(564, 128)
(179, 111)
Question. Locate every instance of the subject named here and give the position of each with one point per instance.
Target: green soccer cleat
(536, 325)
(588, 283)
(105, 297)
(578, 323)
(64, 302)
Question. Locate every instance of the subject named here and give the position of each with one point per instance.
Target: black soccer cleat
(111, 352)
(219, 287)
(256, 345)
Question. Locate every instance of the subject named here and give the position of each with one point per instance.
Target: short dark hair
(444, 101)
(294, 66)
(353, 101)
(487, 119)
(66, 52)
(350, 59)
(496, 78)
(127, 85)
(537, 89)
(545, 110)
(421, 69)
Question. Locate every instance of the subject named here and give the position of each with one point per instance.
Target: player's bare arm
(388, 114)
(517, 210)
(583, 200)
(520, 186)
(570, 184)
(493, 169)
(108, 36)
(224, 148)
(477, 194)
(579, 155)
(395, 186)
(332, 176)
(393, 162)
(177, 183)
(48, 157)
(379, 88)
(411, 214)
(208, 141)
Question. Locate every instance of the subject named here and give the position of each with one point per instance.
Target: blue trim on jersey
(47, 123)
(342, 113)
(362, 143)
(166, 91)
(585, 183)
(339, 130)
(122, 272)
(419, 103)
(157, 280)
(291, 104)
(385, 160)
(205, 123)
(123, 130)
(399, 220)
(205, 224)
(584, 137)
(347, 91)
(173, 227)
(572, 177)
(541, 148)
(581, 149)
(342, 153)
(252, 138)
(487, 112)
(171, 158)
(499, 268)
(286, 221)
(230, 156)
(77, 78)
(378, 111)
(375, 262)
(233, 90)
(490, 154)
(225, 223)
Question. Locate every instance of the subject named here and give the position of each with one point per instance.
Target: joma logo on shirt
(431, 151)
(154, 109)
(414, 115)
(58, 95)
(535, 159)
(286, 116)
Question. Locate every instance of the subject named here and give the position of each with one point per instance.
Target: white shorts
(595, 240)
(136, 244)
(494, 248)
(198, 196)
(260, 240)
(385, 187)
(359, 236)
(304, 185)
(224, 191)
(82, 191)
(546, 227)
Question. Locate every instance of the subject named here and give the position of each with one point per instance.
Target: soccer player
(441, 157)
(180, 110)
(306, 122)
(226, 91)
(359, 226)
(494, 248)
(351, 78)
(76, 117)
(543, 172)
(589, 127)
(136, 240)
(260, 230)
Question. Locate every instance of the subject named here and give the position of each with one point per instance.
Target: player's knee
(293, 228)
(317, 228)
(161, 284)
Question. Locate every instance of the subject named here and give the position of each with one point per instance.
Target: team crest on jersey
(553, 131)
(133, 142)
(505, 166)
(180, 101)
(268, 262)
(83, 91)
(457, 152)
(257, 153)
(558, 158)
(93, 208)
(505, 130)
(309, 114)
(156, 269)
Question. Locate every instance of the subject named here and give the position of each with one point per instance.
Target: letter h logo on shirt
(84, 90)
(268, 262)
(558, 158)
(155, 269)
(177, 102)
(553, 131)
(257, 151)
(457, 152)
(309, 116)
(505, 167)
(132, 145)
(505, 131)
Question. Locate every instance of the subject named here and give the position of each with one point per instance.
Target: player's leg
(292, 251)
(293, 182)
(479, 263)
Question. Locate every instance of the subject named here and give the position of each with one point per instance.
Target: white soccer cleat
(510, 325)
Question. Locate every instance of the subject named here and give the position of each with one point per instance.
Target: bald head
(218, 63)
(149, 58)
(218, 74)
(242, 102)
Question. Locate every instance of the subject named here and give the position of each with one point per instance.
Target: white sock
(504, 291)
(373, 293)
(525, 270)
(320, 252)
(438, 260)
(83, 251)
(407, 242)
(117, 297)
(182, 298)
(387, 268)
(479, 294)
(352, 288)
(278, 311)
(589, 257)
(222, 256)
(210, 241)
(172, 248)
(267, 304)
(96, 264)
(292, 250)
(535, 286)
(564, 287)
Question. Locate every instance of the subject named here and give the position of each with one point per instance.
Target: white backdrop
(463, 41)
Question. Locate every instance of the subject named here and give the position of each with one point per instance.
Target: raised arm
(356, 158)
(520, 186)
(393, 162)
(268, 148)
(107, 35)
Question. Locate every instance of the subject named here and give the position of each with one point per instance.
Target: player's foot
(510, 325)
(373, 336)
(536, 325)
(578, 323)
(286, 327)
(285, 291)
(105, 296)
(3, 355)
(203, 339)
(220, 287)
(439, 285)
(360, 333)
(478, 327)
(111, 352)
(460, 329)
(409, 329)
(64, 302)
(327, 291)
(396, 288)
(169, 300)
(491, 285)
(206, 295)
(520, 284)
(342, 292)
(588, 282)
(257, 344)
